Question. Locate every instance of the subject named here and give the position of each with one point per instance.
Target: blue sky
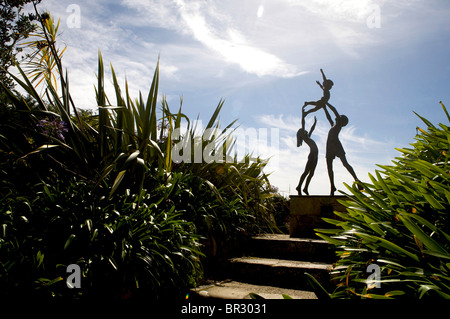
(386, 58)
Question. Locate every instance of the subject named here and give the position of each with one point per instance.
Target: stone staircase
(273, 266)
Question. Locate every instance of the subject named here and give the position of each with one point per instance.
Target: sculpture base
(306, 213)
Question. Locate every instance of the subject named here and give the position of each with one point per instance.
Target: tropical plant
(119, 245)
(278, 205)
(400, 222)
(135, 141)
(104, 192)
(44, 55)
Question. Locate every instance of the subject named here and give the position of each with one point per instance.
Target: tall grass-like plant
(136, 141)
(400, 222)
(129, 139)
(42, 64)
(104, 191)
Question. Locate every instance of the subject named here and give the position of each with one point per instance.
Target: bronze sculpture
(322, 103)
(334, 146)
(313, 156)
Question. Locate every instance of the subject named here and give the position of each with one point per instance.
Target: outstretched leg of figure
(317, 107)
(348, 167)
(311, 174)
(308, 174)
(303, 118)
(302, 178)
(351, 171)
(331, 175)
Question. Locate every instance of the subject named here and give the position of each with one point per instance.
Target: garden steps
(272, 266)
(230, 289)
(285, 247)
(277, 272)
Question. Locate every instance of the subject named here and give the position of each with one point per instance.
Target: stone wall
(306, 213)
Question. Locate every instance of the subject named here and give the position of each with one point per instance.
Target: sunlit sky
(386, 59)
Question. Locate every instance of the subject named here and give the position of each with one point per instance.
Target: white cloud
(155, 13)
(339, 10)
(233, 46)
(217, 31)
(280, 41)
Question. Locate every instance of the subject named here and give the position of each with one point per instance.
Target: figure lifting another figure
(334, 147)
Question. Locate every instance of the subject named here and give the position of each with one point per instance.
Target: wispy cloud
(217, 31)
(232, 45)
(339, 10)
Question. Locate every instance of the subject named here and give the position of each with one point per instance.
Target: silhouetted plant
(120, 245)
(399, 222)
(102, 191)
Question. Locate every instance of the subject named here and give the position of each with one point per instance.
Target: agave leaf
(117, 182)
(428, 123)
(330, 239)
(212, 120)
(69, 240)
(387, 244)
(436, 254)
(421, 235)
(378, 199)
(382, 183)
(132, 157)
(320, 292)
(152, 99)
(445, 110)
(252, 295)
(426, 288)
(425, 222)
(28, 87)
(373, 225)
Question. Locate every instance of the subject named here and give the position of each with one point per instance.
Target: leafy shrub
(278, 205)
(120, 244)
(399, 222)
(102, 191)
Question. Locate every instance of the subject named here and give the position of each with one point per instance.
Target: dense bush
(401, 223)
(119, 244)
(102, 191)
(278, 204)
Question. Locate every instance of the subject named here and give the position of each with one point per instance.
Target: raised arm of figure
(323, 75)
(332, 108)
(328, 116)
(312, 127)
(319, 84)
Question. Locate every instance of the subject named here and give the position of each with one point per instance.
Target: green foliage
(103, 191)
(279, 206)
(15, 26)
(42, 61)
(401, 223)
(120, 245)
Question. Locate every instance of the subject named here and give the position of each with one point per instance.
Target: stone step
(229, 289)
(277, 272)
(284, 247)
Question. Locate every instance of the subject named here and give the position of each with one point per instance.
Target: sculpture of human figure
(322, 103)
(334, 147)
(311, 164)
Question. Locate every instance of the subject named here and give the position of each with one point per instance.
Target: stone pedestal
(306, 213)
